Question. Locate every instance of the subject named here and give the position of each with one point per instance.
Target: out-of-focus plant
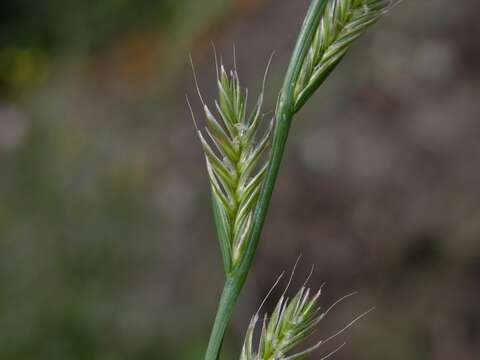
(242, 184)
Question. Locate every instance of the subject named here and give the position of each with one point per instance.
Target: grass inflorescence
(233, 156)
(290, 324)
(242, 182)
(342, 22)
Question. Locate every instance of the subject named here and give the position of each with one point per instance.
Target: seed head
(342, 22)
(234, 162)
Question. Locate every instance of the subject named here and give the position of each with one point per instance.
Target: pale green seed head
(234, 162)
(342, 22)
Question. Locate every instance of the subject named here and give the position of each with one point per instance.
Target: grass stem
(284, 114)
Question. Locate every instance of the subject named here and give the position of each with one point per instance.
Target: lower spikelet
(291, 322)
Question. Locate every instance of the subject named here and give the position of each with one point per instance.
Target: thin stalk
(227, 302)
(284, 114)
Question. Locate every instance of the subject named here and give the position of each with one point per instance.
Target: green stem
(284, 114)
(226, 305)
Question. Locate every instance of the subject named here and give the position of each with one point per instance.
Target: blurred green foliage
(33, 32)
(55, 25)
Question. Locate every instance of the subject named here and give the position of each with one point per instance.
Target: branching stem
(329, 28)
(283, 118)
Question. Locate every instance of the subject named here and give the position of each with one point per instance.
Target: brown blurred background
(107, 248)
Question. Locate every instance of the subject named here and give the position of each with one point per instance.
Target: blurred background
(107, 248)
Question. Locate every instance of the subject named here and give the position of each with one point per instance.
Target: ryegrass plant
(242, 185)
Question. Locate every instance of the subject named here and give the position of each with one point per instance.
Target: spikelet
(234, 162)
(342, 22)
(291, 322)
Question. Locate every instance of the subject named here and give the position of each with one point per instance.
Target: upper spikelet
(342, 22)
(233, 155)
